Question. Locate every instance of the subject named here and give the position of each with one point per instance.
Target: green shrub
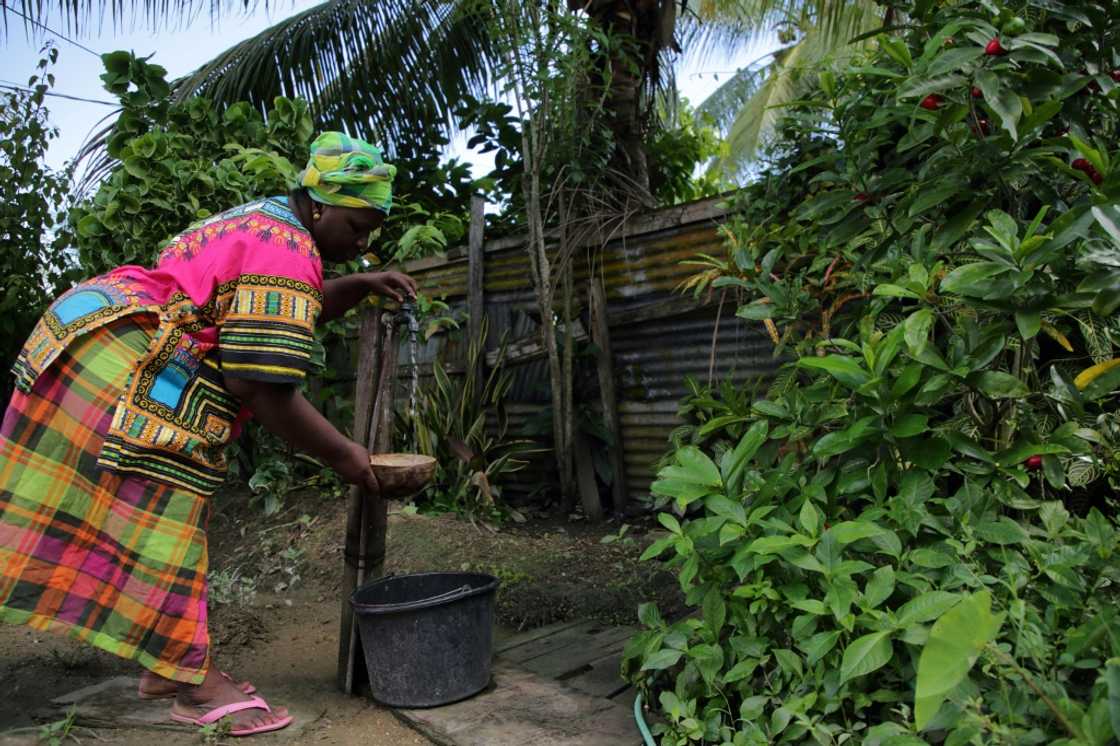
(461, 421)
(911, 538)
(33, 260)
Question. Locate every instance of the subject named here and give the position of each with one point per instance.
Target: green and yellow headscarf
(348, 172)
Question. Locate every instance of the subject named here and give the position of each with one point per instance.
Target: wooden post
(367, 518)
(585, 479)
(476, 274)
(600, 335)
(368, 376)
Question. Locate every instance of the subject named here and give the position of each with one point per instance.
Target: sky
(190, 44)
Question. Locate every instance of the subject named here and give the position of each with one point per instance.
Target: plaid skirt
(117, 561)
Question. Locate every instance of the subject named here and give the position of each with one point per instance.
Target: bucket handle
(445, 596)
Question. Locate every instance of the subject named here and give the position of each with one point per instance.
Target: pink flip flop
(213, 716)
(171, 695)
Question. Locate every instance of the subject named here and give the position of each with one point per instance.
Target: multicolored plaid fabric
(117, 561)
(348, 172)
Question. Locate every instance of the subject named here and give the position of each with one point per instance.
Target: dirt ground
(275, 606)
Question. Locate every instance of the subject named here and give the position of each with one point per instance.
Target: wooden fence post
(476, 275)
(367, 516)
(601, 336)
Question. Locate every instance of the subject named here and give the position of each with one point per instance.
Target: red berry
(1095, 175)
(1093, 87)
(994, 47)
(982, 127)
(1115, 75)
(932, 102)
(1081, 165)
(1034, 463)
(977, 93)
(862, 197)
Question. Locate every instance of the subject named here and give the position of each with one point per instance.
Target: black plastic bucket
(428, 637)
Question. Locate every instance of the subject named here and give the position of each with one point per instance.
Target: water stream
(409, 311)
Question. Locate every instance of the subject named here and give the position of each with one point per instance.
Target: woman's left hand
(395, 285)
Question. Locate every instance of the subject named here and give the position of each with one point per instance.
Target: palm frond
(390, 67)
(725, 103)
(80, 16)
(793, 71)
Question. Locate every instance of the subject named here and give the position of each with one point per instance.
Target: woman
(128, 391)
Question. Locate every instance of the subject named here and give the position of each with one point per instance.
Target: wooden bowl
(401, 474)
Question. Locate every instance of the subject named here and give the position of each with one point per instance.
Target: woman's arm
(343, 293)
(283, 410)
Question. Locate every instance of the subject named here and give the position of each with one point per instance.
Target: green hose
(641, 721)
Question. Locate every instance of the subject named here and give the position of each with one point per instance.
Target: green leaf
(773, 544)
(715, 611)
(740, 670)
(844, 369)
(708, 659)
(999, 385)
(701, 469)
(973, 280)
(1112, 677)
(954, 58)
(917, 326)
(909, 425)
(789, 661)
(1090, 153)
(954, 644)
(920, 87)
(933, 196)
(656, 548)
(669, 522)
(1004, 101)
(662, 659)
(965, 445)
(880, 587)
(1029, 323)
(957, 226)
(819, 645)
(931, 558)
(747, 447)
(726, 508)
(1003, 531)
(1022, 451)
(808, 518)
(906, 380)
(849, 531)
(771, 409)
(865, 654)
(896, 48)
(1108, 217)
(684, 492)
(894, 291)
(833, 444)
(649, 615)
(926, 607)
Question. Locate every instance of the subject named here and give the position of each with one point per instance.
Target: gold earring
(316, 215)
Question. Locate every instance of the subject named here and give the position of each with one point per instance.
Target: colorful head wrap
(348, 172)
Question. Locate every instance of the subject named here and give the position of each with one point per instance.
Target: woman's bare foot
(216, 691)
(154, 686)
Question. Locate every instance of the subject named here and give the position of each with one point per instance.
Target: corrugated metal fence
(657, 336)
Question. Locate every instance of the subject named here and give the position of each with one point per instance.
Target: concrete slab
(523, 708)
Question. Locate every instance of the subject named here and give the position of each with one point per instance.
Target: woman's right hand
(354, 468)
